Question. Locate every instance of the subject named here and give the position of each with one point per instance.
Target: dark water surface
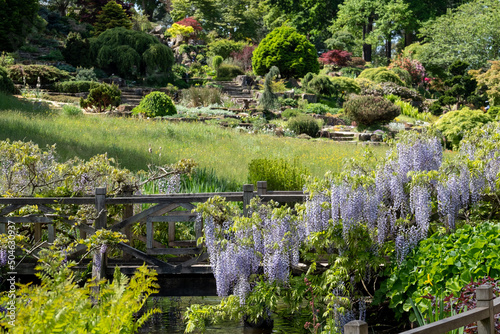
(173, 308)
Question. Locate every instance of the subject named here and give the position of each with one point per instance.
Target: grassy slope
(228, 152)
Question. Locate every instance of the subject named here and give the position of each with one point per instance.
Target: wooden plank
(188, 206)
(496, 305)
(27, 219)
(149, 234)
(45, 209)
(10, 208)
(142, 215)
(183, 243)
(451, 323)
(148, 259)
(46, 200)
(202, 257)
(173, 251)
(38, 232)
(176, 198)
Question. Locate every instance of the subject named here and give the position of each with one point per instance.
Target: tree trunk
(367, 48)
(388, 48)
(408, 37)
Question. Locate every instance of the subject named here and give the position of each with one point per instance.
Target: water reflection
(172, 308)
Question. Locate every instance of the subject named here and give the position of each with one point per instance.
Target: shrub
(319, 109)
(129, 53)
(344, 86)
(490, 79)
(77, 50)
(321, 85)
(307, 78)
(75, 86)
(244, 57)
(413, 67)
(335, 57)
(351, 72)
(216, 63)
(367, 110)
(381, 74)
(289, 102)
(288, 50)
(228, 72)
(6, 84)
(155, 104)
(201, 96)
(304, 124)
(441, 265)
(404, 75)
(494, 111)
(102, 97)
(47, 74)
(289, 113)
(388, 88)
(436, 108)
(268, 100)
(85, 74)
(279, 174)
(112, 15)
(454, 124)
(224, 47)
(71, 110)
(54, 55)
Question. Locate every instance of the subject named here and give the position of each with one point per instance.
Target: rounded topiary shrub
(102, 97)
(368, 109)
(288, 50)
(454, 124)
(304, 124)
(155, 104)
(381, 74)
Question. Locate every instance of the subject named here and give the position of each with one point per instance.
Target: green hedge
(75, 86)
(279, 174)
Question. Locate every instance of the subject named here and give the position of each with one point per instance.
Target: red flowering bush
(414, 67)
(335, 57)
(191, 22)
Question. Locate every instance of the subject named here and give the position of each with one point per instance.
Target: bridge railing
(486, 308)
(163, 209)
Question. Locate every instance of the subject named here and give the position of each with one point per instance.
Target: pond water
(171, 319)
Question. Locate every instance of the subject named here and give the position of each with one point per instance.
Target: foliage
(268, 100)
(228, 71)
(367, 110)
(341, 40)
(179, 29)
(403, 75)
(304, 124)
(62, 305)
(289, 102)
(381, 74)
(130, 53)
(201, 96)
(279, 173)
(408, 110)
(17, 19)
(85, 74)
(415, 69)
(71, 110)
(289, 113)
(442, 265)
(335, 57)
(75, 86)
(319, 109)
(443, 43)
(224, 47)
(191, 22)
(90, 9)
(387, 88)
(112, 15)
(344, 86)
(29, 74)
(6, 84)
(491, 79)
(102, 97)
(454, 124)
(288, 50)
(155, 104)
(321, 85)
(244, 57)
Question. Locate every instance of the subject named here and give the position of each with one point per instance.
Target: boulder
(244, 80)
(311, 98)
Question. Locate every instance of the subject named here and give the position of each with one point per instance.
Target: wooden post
(484, 296)
(128, 211)
(52, 232)
(356, 327)
(3, 229)
(99, 273)
(38, 232)
(247, 197)
(149, 233)
(261, 188)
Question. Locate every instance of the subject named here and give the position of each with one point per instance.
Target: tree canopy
(16, 21)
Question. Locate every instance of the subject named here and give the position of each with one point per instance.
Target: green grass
(227, 152)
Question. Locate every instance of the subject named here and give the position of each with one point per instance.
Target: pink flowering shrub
(413, 66)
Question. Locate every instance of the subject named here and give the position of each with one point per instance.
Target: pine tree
(112, 15)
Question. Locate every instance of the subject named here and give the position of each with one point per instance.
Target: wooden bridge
(181, 264)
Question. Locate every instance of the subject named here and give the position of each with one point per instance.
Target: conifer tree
(112, 15)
